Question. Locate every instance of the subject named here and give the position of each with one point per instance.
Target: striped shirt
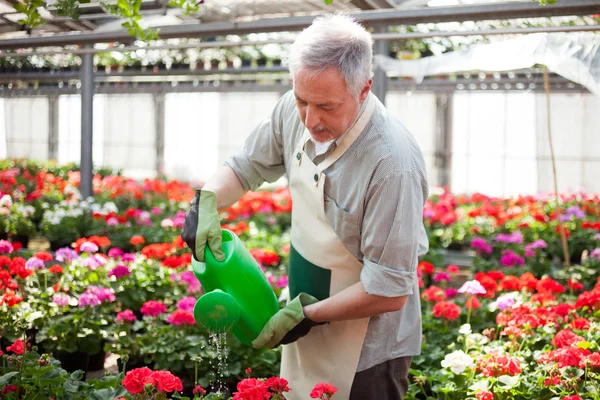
(374, 197)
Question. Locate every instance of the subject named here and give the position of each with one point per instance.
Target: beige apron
(321, 265)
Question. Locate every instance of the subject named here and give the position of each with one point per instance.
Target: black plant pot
(261, 62)
(23, 239)
(133, 363)
(96, 361)
(246, 62)
(72, 362)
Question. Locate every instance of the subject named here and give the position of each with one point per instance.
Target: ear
(365, 91)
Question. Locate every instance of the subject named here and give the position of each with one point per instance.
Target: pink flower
(34, 263)
(88, 299)
(153, 308)
(156, 210)
(187, 303)
(115, 252)
(515, 237)
(88, 247)
(481, 246)
(90, 262)
(510, 259)
(442, 276)
(126, 316)
(6, 247)
(66, 254)
(282, 282)
(60, 299)
(119, 271)
(112, 221)
(103, 294)
(472, 287)
(128, 257)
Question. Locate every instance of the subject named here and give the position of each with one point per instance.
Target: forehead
(320, 87)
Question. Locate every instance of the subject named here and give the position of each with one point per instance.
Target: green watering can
(238, 296)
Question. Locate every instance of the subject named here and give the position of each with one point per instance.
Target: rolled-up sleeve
(392, 225)
(261, 159)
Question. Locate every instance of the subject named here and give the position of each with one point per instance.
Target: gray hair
(335, 40)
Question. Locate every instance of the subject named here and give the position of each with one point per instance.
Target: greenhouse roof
(94, 18)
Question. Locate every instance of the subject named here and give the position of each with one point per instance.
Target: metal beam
(53, 127)
(380, 79)
(472, 12)
(87, 126)
(159, 121)
(375, 36)
(443, 142)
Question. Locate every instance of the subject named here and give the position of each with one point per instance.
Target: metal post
(87, 118)
(53, 127)
(443, 143)
(379, 87)
(159, 121)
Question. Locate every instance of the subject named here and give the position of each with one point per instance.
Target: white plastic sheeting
(499, 144)
(575, 56)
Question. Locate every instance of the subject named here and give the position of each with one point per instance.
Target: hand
(201, 226)
(288, 325)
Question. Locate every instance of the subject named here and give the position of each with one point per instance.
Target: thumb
(215, 241)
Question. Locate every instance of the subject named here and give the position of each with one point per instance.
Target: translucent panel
(129, 133)
(192, 135)
(2, 130)
(69, 129)
(591, 176)
(520, 125)
(240, 113)
(520, 176)
(418, 113)
(26, 121)
(591, 128)
(567, 118)
(569, 174)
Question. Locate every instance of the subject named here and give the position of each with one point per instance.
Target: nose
(312, 117)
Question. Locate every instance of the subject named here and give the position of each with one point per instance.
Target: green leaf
(70, 386)
(4, 379)
(328, 2)
(508, 382)
(104, 394)
(77, 375)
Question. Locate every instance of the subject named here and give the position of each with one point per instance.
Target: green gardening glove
(202, 226)
(288, 325)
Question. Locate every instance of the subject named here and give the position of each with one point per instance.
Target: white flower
(110, 207)
(166, 223)
(458, 362)
(476, 340)
(6, 201)
(465, 329)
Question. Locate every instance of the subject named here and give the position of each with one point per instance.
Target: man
(358, 185)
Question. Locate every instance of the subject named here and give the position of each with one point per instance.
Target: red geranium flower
(323, 391)
(446, 310)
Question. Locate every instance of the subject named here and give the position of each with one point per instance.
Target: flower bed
(117, 279)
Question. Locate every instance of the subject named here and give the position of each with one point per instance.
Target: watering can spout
(217, 311)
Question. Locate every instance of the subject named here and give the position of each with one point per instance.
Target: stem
(470, 308)
(45, 281)
(196, 374)
(563, 235)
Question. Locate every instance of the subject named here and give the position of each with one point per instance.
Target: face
(326, 106)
